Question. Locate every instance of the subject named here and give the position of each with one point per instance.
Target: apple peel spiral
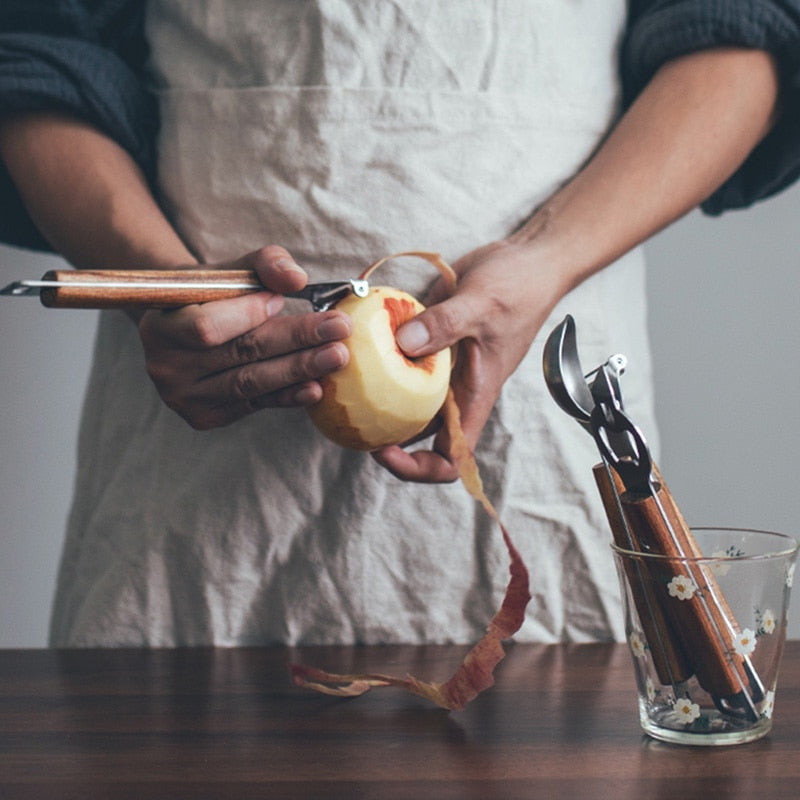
(476, 672)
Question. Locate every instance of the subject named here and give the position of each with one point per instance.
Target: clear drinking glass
(706, 634)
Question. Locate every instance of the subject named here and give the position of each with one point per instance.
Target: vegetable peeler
(164, 288)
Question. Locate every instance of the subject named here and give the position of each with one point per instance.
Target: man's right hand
(220, 361)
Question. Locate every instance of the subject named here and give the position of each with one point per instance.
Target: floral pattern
(682, 587)
(693, 709)
(745, 642)
(638, 647)
(766, 622)
(723, 567)
(686, 711)
(719, 568)
(768, 706)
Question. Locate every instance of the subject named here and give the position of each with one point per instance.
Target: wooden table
(200, 723)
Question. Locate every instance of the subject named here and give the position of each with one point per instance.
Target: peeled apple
(381, 397)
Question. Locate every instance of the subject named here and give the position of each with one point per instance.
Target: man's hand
(689, 130)
(217, 362)
(503, 297)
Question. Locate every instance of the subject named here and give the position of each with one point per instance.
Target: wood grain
(143, 288)
(704, 621)
(205, 723)
(670, 661)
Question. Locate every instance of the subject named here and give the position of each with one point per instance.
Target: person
(535, 145)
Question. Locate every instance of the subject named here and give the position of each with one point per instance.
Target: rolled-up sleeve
(660, 31)
(82, 59)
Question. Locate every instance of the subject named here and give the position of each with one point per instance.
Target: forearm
(87, 196)
(688, 131)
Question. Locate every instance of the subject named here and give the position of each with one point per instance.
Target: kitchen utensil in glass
(753, 570)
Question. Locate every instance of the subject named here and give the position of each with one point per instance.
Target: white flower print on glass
(721, 567)
(685, 663)
(682, 587)
(768, 705)
(768, 622)
(637, 644)
(745, 642)
(686, 711)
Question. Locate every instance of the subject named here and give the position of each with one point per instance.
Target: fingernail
(330, 357)
(275, 304)
(333, 328)
(307, 395)
(287, 265)
(413, 336)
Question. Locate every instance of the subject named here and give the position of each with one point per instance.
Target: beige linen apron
(346, 130)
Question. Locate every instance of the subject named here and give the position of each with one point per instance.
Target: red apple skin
(381, 397)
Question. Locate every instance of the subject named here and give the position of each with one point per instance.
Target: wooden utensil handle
(697, 608)
(144, 288)
(669, 658)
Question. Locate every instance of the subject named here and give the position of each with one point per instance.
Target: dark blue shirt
(85, 58)
(665, 29)
(82, 57)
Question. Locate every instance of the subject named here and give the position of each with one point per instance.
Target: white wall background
(725, 331)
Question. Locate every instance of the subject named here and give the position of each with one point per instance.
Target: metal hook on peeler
(620, 441)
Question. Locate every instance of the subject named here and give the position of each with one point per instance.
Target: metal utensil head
(595, 401)
(563, 374)
(22, 289)
(620, 441)
(325, 295)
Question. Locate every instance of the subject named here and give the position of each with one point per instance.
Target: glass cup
(706, 634)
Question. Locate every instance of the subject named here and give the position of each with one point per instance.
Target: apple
(381, 397)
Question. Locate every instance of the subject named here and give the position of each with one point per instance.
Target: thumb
(434, 329)
(275, 268)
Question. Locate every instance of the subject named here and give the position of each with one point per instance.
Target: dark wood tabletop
(561, 722)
